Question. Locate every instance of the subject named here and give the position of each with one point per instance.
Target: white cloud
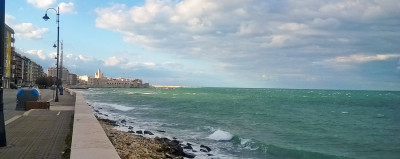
(9, 19)
(38, 53)
(29, 31)
(84, 58)
(67, 7)
(25, 30)
(363, 58)
(112, 61)
(41, 3)
(292, 27)
(251, 36)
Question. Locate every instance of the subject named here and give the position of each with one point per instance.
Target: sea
(260, 123)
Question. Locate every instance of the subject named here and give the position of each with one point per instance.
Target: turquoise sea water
(262, 123)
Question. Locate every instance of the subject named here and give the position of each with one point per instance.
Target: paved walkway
(40, 133)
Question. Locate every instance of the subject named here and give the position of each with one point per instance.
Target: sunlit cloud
(362, 58)
(41, 3)
(112, 61)
(38, 53)
(29, 31)
(67, 7)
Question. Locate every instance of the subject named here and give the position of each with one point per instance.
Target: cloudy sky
(323, 44)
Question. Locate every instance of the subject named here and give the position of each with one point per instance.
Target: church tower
(98, 74)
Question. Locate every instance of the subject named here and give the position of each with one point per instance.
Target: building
(98, 74)
(100, 81)
(83, 79)
(9, 48)
(72, 79)
(64, 75)
(17, 67)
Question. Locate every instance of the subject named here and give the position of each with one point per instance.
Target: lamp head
(45, 17)
(54, 45)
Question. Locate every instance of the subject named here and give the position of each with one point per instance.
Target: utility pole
(3, 141)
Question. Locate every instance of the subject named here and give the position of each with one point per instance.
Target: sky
(308, 44)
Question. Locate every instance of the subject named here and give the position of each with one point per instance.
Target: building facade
(18, 69)
(9, 48)
(100, 81)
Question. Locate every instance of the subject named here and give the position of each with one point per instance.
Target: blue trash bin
(24, 95)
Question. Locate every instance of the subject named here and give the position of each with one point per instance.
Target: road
(10, 101)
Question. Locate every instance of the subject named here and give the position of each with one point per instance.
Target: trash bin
(24, 95)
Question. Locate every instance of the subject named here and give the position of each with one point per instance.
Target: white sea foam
(220, 135)
(147, 93)
(120, 107)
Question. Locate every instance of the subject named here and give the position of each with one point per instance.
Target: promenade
(37, 133)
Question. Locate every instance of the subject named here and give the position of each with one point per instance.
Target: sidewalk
(40, 133)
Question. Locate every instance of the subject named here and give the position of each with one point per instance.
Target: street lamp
(3, 141)
(45, 17)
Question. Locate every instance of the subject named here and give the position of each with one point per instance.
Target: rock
(148, 132)
(189, 155)
(131, 131)
(173, 143)
(188, 147)
(130, 127)
(123, 121)
(206, 147)
(162, 131)
(202, 150)
(210, 155)
(139, 132)
(109, 122)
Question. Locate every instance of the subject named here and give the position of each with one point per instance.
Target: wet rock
(202, 150)
(189, 155)
(139, 132)
(148, 132)
(210, 155)
(188, 147)
(162, 131)
(206, 147)
(130, 127)
(173, 143)
(110, 122)
(123, 121)
(131, 131)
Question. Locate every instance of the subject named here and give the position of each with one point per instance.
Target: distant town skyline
(342, 44)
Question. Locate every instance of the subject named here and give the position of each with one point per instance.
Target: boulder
(206, 147)
(148, 132)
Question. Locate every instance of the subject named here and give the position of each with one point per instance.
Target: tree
(44, 82)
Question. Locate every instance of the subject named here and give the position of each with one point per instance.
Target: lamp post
(45, 17)
(3, 141)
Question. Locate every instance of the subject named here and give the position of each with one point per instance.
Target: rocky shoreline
(132, 146)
